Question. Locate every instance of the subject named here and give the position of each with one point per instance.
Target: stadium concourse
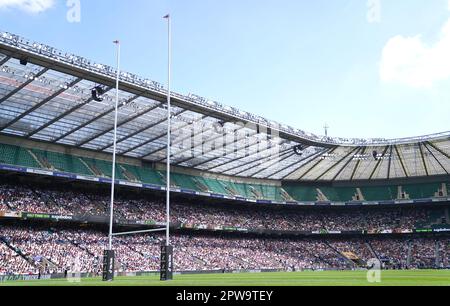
(247, 193)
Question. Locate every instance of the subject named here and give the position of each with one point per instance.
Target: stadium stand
(34, 249)
(31, 198)
(315, 202)
(94, 167)
(52, 250)
(13, 155)
(63, 162)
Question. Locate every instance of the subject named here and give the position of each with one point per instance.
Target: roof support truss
(356, 151)
(423, 159)
(401, 161)
(312, 157)
(40, 104)
(110, 129)
(224, 154)
(434, 156)
(315, 165)
(335, 164)
(66, 113)
(391, 149)
(23, 85)
(253, 161)
(240, 158)
(437, 149)
(141, 131)
(107, 112)
(278, 159)
(357, 165)
(380, 160)
(207, 142)
(177, 141)
(3, 61)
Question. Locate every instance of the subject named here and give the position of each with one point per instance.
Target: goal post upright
(167, 249)
(169, 119)
(108, 255)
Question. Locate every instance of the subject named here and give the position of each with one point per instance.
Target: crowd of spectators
(151, 208)
(13, 263)
(394, 254)
(353, 249)
(69, 250)
(45, 250)
(423, 253)
(444, 254)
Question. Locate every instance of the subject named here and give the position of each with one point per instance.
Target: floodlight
(375, 155)
(298, 149)
(97, 93)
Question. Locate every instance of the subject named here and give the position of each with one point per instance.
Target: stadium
(253, 201)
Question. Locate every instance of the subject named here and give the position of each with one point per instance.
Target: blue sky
(299, 62)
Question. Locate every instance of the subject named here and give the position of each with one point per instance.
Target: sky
(366, 68)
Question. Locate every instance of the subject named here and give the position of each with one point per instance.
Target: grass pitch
(328, 278)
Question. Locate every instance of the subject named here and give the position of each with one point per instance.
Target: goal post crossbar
(140, 232)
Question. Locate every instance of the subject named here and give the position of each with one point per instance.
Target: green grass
(333, 278)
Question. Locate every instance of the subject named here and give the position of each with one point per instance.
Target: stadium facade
(56, 126)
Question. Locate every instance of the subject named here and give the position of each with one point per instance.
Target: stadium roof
(45, 95)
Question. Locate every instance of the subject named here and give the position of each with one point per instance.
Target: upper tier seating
(64, 162)
(13, 155)
(36, 158)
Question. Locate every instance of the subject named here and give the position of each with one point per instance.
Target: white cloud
(412, 62)
(30, 6)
